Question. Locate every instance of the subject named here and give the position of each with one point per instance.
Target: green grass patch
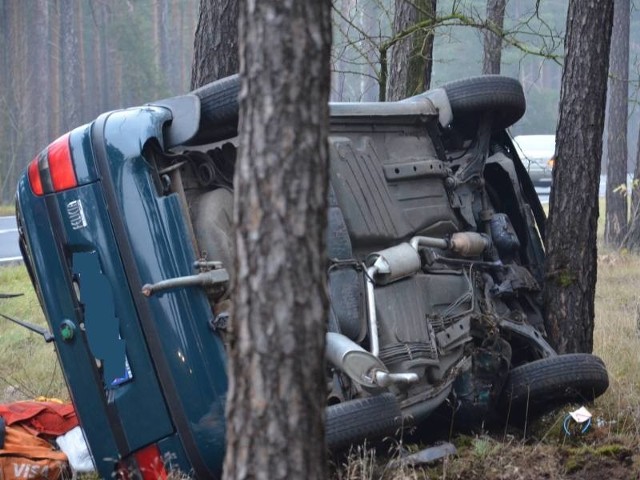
(7, 210)
(28, 366)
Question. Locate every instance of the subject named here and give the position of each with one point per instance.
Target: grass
(28, 366)
(7, 209)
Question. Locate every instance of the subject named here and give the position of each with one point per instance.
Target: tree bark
(69, 47)
(411, 59)
(277, 386)
(216, 42)
(633, 234)
(571, 266)
(38, 103)
(615, 227)
(164, 65)
(106, 76)
(84, 115)
(5, 82)
(55, 69)
(492, 41)
(5, 90)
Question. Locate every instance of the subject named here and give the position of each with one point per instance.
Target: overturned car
(436, 268)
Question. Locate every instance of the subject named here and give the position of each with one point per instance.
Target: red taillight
(34, 177)
(150, 463)
(52, 170)
(63, 176)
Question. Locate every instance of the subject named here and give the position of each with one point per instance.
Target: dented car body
(436, 267)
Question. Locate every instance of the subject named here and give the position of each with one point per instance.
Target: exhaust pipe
(361, 366)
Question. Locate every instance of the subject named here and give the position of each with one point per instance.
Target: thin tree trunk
(55, 58)
(155, 32)
(493, 41)
(571, 231)
(13, 105)
(38, 84)
(161, 45)
(633, 235)
(70, 49)
(83, 97)
(277, 386)
(106, 77)
(5, 88)
(4, 52)
(180, 61)
(615, 226)
(411, 59)
(94, 77)
(216, 42)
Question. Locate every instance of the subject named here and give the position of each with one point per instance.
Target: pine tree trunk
(216, 43)
(163, 45)
(615, 229)
(83, 97)
(105, 77)
(277, 383)
(411, 59)
(156, 13)
(369, 22)
(37, 81)
(571, 231)
(5, 85)
(15, 98)
(633, 234)
(28, 95)
(70, 49)
(54, 65)
(492, 41)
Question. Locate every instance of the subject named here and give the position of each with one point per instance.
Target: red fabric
(27, 457)
(40, 418)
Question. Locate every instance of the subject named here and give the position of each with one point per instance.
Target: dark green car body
(126, 235)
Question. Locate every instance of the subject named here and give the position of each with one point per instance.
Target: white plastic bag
(74, 446)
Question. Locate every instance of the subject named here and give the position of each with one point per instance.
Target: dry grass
(7, 209)
(617, 336)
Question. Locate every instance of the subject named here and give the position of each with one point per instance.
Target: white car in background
(537, 153)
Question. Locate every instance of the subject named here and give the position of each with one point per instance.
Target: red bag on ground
(49, 419)
(27, 457)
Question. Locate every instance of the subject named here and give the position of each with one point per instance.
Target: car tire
(472, 96)
(537, 387)
(363, 418)
(218, 110)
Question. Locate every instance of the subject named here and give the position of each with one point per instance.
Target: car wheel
(218, 110)
(470, 97)
(364, 418)
(538, 387)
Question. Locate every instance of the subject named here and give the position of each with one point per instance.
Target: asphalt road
(9, 250)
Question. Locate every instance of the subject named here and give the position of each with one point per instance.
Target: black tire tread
(364, 418)
(544, 384)
(471, 96)
(219, 109)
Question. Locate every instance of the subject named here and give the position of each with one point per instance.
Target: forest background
(64, 62)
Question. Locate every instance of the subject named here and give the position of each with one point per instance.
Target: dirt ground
(612, 460)
(545, 453)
